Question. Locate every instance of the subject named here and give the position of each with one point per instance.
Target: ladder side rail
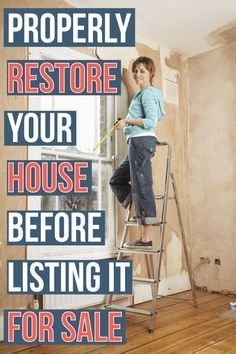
(162, 232)
(108, 299)
(154, 282)
(183, 239)
(150, 270)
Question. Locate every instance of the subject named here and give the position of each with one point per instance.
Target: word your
(40, 128)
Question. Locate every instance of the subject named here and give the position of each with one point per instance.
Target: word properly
(69, 27)
(56, 228)
(40, 128)
(54, 177)
(50, 77)
(64, 327)
(69, 277)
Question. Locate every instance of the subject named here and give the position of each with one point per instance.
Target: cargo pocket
(150, 148)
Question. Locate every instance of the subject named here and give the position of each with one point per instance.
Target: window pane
(103, 125)
(88, 109)
(92, 122)
(106, 171)
(48, 202)
(74, 202)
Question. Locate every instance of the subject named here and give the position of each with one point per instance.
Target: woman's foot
(139, 244)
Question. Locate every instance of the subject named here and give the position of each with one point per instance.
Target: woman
(145, 110)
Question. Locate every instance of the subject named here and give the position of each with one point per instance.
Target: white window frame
(34, 153)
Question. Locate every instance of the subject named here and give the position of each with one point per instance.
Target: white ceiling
(181, 25)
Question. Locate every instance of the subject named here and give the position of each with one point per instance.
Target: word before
(68, 27)
(69, 277)
(56, 228)
(54, 177)
(40, 128)
(60, 327)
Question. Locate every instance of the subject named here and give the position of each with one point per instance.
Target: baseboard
(168, 286)
(1, 326)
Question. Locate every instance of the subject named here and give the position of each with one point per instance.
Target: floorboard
(179, 328)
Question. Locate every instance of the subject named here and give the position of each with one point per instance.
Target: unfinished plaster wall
(171, 129)
(212, 136)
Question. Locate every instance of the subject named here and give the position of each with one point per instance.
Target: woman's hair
(148, 63)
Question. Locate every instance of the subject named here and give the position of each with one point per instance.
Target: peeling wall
(212, 135)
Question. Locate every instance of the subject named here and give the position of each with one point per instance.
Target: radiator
(57, 302)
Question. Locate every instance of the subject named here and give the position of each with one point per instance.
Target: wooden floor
(179, 328)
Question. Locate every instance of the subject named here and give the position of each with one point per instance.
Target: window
(95, 116)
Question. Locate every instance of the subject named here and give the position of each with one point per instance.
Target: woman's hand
(126, 77)
(120, 124)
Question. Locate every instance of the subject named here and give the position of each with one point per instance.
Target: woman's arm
(149, 104)
(121, 123)
(129, 84)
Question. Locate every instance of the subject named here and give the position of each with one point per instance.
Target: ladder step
(137, 250)
(145, 280)
(132, 310)
(158, 197)
(134, 223)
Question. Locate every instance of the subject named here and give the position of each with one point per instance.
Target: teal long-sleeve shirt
(148, 105)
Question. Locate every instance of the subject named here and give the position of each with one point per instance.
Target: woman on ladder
(145, 110)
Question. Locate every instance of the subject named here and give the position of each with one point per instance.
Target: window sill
(91, 253)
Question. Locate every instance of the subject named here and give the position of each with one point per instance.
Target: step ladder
(154, 271)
